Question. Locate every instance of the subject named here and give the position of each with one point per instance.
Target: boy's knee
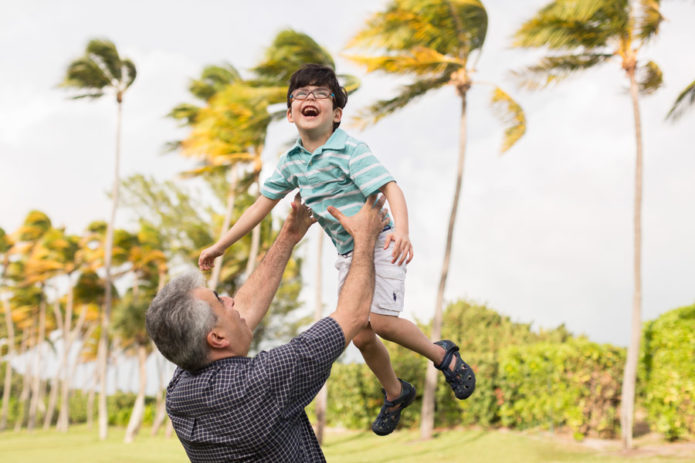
(384, 325)
(364, 338)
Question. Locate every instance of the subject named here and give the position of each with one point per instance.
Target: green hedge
(667, 376)
(575, 384)
(354, 394)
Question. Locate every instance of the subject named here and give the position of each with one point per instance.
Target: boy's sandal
(387, 420)
(461, 378)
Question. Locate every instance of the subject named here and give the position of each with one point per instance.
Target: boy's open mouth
(310, 111)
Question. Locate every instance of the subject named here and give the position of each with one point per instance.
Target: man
(228, 407)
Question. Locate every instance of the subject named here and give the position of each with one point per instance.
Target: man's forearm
(355, 299)
(255, 295)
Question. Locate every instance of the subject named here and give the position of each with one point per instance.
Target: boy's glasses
(319, 94)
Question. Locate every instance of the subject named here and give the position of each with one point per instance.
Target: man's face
(231, 329)
(313, 115)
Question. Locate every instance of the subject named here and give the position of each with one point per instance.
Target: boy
(330, 168)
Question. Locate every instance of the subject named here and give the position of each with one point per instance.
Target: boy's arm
(402, 249)
(249, 219)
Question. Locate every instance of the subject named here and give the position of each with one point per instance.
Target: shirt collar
(335, 142)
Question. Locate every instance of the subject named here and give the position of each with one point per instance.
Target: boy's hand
(401, 249)
(299, 220)
(207, 258)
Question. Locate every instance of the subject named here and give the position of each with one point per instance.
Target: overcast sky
(544, 233)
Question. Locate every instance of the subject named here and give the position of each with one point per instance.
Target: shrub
(667, 375)
(576, 384)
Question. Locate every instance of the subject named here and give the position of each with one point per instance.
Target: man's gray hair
(178, 322)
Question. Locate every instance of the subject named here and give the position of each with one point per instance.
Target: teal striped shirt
(341, 173)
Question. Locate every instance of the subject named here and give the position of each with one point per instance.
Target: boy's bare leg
(408, 335)
(378, 360)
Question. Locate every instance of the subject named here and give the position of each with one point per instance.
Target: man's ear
(289, 115)
(337, 114)
(216, 339)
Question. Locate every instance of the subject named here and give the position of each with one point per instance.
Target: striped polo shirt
(341, 173)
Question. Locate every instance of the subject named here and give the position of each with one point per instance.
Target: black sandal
(387, 420)
(461, 378)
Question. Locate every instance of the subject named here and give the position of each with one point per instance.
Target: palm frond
(289, 51)
(104, 52)
(650, 78)
(649, 20)
(84, 74)
(511, 115)
(129, 73)
(378, 110)
(685, 101)
(455, 27)
(349, 82)
(419, 61)
(553, 69)
(185, 113)
(574, 25)
(212, 80)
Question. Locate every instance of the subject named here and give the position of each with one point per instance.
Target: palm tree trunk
(36, 379)
(427, 420)
(52, 400)
(8, 369)
(103, 337)
(627, 407)
(139, 407)
(68, 339)
(231, 198)
(322, 397)
(160, 406)
(24, 395)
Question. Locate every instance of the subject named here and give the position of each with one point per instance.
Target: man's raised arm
(356, 294)
(255, 295)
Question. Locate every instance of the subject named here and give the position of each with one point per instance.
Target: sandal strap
(450, 349)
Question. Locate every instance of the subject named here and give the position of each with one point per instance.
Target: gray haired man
(226, 406)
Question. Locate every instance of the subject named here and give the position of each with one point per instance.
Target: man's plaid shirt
(252, 409)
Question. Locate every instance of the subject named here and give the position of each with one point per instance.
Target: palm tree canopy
(288, 52)
(101, 68)
(447, 29)
(430, 39)
(685, 100)
(581, 34)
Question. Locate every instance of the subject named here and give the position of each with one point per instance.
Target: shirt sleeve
(367, 172)
(278, 185)
(302, 366)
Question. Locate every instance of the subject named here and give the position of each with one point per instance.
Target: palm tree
(434, 41)
(102, 70)
(6, 244)
(684, 101)
(212, 80)
(579, 35)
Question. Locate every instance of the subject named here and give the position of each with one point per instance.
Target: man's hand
(368, 222)
(402, 248)
(207, 258)
(299, 220)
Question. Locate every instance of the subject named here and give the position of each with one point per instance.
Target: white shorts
(389, 285)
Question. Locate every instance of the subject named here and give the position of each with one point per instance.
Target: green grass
(469, 446)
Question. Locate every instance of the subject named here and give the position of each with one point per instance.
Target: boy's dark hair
(318, 75)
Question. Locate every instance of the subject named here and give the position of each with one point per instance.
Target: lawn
(470, 446)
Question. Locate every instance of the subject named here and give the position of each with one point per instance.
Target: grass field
(469, 446)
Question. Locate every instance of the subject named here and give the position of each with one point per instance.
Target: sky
(544, 232)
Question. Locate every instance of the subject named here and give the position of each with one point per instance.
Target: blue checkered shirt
(252, 409)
